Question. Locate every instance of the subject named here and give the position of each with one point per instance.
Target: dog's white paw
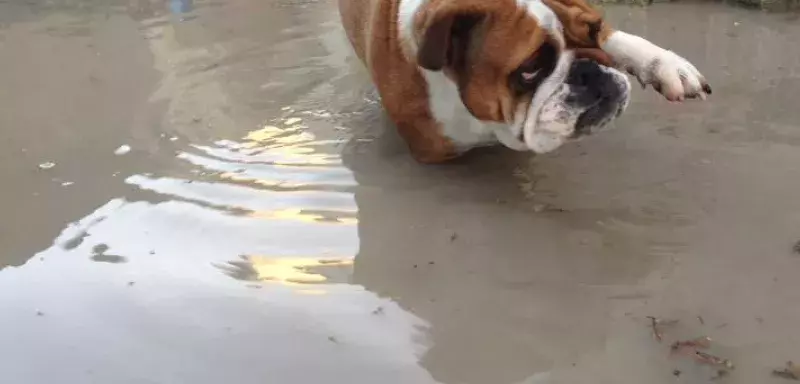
(674, 77)
(669, 74)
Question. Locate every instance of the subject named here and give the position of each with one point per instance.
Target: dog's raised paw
(669, 74)
(674, 77)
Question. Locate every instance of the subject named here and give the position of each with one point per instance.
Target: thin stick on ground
(707, 358)
(656, 324)
(698, 343)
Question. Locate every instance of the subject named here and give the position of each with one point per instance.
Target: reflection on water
(273, 211)
(276, 174)
(278, 180)
(230, 259)
(287, 270)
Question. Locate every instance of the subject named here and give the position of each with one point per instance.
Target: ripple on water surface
(251, 255)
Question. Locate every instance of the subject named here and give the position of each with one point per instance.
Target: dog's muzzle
(601, 92)
(590, 98)
(580, 98)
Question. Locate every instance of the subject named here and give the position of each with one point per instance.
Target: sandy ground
(266, 227)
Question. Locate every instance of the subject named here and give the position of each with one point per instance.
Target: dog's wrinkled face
(511, 64)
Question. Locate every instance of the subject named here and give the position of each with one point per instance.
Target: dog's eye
(533, 71)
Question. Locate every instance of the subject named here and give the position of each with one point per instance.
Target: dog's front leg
(669, 74)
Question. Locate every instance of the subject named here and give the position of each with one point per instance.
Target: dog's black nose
(596, 90)
(590, 83)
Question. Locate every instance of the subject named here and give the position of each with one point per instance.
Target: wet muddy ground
(208, 191)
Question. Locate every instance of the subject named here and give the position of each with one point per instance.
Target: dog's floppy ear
(583, 24)
(445, 41)
(435, 43)
(443, 29)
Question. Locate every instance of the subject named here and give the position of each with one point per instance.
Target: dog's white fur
(651, 63)
(633, 53)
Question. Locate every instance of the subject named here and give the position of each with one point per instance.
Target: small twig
(700, 318)
(698, 343)
(710, 359)
(691, 348)
(656, 324)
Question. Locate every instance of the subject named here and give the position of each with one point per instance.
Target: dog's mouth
(579, 98)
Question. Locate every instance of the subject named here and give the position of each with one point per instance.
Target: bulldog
(528, 74)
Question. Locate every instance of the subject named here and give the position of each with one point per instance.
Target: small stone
(122, 150)
(47, 165)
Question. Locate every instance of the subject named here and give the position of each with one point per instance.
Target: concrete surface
(267, 225)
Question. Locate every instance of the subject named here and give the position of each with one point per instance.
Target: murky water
(268, 226)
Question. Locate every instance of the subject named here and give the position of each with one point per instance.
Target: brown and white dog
(530, 74)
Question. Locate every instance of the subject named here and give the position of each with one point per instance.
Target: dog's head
(534, 65)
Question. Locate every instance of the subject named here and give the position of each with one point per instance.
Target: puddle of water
(258, 251)
(226, 251)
